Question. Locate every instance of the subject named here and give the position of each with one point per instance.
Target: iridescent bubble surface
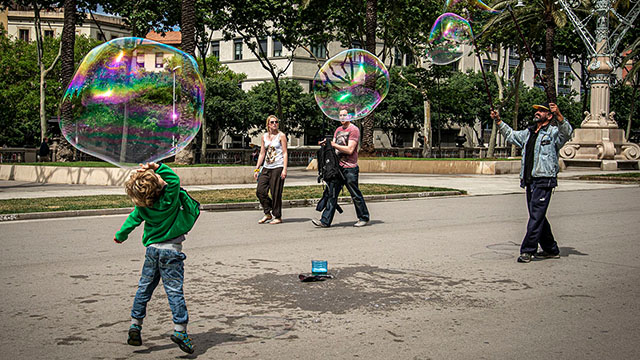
(355, 80)
(133, 101)
(449, 35)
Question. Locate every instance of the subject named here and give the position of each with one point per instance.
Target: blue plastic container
(319, 267)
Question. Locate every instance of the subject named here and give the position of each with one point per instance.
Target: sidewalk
(473, 184)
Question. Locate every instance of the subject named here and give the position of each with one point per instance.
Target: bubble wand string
(484, 76)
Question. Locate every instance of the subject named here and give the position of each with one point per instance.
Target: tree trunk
(494, 127)
(550, 72)
(516, 106)
(426, 151)
(371, 22)
(188, 29)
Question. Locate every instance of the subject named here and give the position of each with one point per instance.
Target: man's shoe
(524, 258)
(183, 341)
(135, 339)
(361, 223)
(318, 223)
(545, 255)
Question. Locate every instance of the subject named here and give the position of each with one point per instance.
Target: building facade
(238, 57)
(20, 25)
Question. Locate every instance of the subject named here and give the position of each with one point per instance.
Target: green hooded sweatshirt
(172, 215)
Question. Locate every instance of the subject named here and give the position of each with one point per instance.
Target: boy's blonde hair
(143, 188)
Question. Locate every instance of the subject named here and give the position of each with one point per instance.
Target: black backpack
(328, 163)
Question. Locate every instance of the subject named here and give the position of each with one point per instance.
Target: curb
(254, 205)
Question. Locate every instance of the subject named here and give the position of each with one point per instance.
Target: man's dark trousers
(538, 227)
(335, 186)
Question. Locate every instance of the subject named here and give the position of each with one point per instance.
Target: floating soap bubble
(355, 80)
(469, 9)
(449, 35)
(133, 101)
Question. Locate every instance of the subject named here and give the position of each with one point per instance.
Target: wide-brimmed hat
(543, 106)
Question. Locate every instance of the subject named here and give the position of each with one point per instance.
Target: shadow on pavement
(201, 342)
(568, 250)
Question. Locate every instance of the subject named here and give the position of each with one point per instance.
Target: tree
(145, 15)
(402, 108)
(299, 111)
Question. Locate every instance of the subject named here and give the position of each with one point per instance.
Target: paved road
(429, 279)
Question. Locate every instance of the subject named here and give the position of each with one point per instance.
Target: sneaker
(318, 223)
(361, 223)
(265, 218)
(524, 258)
(546, 255)
(134, 335)
(183, 341)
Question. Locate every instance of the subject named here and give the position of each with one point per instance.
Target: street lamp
(174, 116)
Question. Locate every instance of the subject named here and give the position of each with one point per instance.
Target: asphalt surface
(431, 278)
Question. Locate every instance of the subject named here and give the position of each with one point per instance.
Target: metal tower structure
(599, 141)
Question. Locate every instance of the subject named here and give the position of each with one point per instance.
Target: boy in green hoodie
(169, 213)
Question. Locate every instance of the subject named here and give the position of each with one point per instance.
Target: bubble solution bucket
(319, 267)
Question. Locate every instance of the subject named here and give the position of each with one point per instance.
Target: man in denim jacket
(540, 144)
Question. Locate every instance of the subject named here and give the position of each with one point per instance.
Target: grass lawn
(15, 206)
(438, 159)
(626, 177)
(99, 164)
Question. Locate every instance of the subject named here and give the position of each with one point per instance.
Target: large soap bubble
(449, 35)
(355, 80)
(133, 101)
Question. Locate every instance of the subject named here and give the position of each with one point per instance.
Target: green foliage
(299, 109)
(19, 88)
(403, 107)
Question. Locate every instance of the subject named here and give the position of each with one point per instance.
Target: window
(397, 58)
(455, 66)
(319, 51)
(564, 79)
(49, 33)
(159, 60)
(490, 65)
(140, 60)
(24, 35)
(101, 37)
(237, 49)
(215, 49)
(538, 78)
(356, 45)
(277, 48)
(409, 59)
(262, 43)
(563, 60)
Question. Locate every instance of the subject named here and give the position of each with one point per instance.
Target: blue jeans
(168, 265)
(335, 187)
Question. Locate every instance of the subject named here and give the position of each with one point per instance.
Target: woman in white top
(273, 157)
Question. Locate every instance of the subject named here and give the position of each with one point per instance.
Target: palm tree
(188, 29)
(537, 16)
(67, 64)
(371, 23)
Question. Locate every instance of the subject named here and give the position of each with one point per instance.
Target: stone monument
(599, 141)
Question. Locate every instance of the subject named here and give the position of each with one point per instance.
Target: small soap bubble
(449, 35)
(355, 80)
(133, 101)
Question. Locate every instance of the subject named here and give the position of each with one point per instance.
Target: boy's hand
(150, 165)
(116, 241)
